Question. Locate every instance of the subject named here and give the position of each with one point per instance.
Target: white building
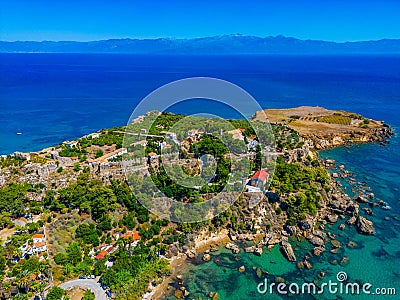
(38, 238)
(71, 144)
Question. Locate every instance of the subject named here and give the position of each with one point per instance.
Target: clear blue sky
(336, 20)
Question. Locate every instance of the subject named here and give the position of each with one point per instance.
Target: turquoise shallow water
(375, 259)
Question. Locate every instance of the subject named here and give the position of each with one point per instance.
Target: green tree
(74, 253)
(5, 219)
(99, 267)
(88, 234)
(55, 293)
(99, 153)
(77, 167)
(89, 295)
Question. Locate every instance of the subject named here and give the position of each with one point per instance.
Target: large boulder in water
(234, 248)
(351, 221)
(365, 226)
(332, 218)
(287, 251)
(315, 240)
(206, 257)
(317, 251)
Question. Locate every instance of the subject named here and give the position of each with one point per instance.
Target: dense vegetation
(131, 274)
(105, 212)
(286, 138)
(14, 201)
(106, 138)
(300, 187)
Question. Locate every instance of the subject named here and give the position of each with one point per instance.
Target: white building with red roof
(258, 181)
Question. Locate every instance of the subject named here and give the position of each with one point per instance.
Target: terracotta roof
(38, 245)
(109, 249)
(132, 235)
(38, 236)
(108, 155)
(261, 174)
(101, 254)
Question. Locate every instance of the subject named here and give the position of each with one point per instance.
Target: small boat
(387, 207)
(19, 133)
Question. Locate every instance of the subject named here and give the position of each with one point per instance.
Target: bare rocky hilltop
(325, 128)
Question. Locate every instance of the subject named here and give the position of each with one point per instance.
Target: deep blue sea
(50, 98)
(53, 97)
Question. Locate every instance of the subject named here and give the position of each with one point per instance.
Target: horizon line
(201, 37)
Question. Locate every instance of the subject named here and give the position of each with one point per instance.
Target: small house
(70, 144)
(259, 179)
(38, 238)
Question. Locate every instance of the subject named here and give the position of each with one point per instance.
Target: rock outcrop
(315, 240)
(206, 257)
(234, 248)
(365, 226)
(287, 250)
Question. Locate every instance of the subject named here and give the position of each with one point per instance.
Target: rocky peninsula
(288, 212)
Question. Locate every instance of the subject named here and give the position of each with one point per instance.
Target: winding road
(87, 283)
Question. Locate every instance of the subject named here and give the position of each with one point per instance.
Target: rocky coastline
(269, 228)
(335, 205)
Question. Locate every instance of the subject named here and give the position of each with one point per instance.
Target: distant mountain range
(225, 44)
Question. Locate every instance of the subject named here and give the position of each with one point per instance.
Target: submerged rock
(365, 226)
(352, 244)
(344, 261)
(317, 251)
(368, 211)
(331, 235)
(307, 264)
(335, 243)
(259, 272)
(335, 250)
